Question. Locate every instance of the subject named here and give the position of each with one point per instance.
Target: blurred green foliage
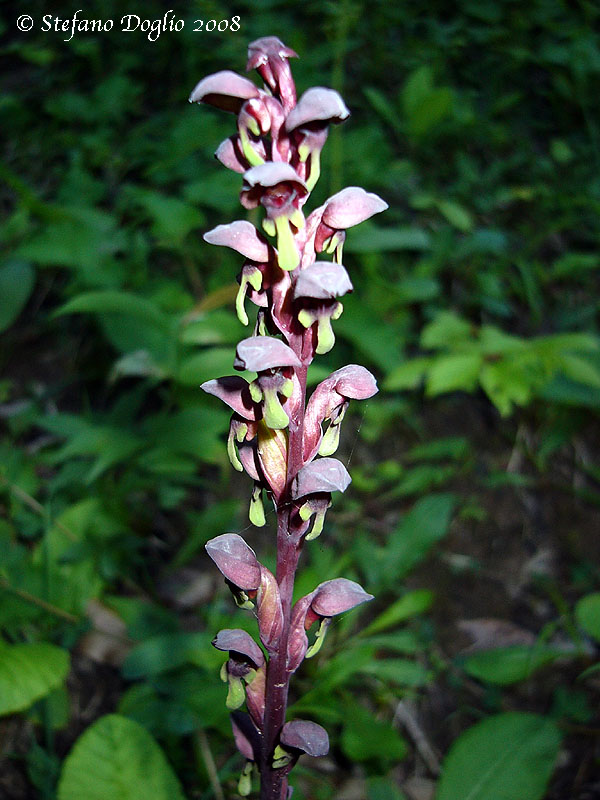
(478, 290)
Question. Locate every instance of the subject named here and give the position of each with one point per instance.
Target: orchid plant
(282, 441)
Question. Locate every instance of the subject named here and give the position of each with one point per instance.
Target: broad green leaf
(410, 605)
(456, 215)
(172, 218)
(172, 650)
(398, 671)
(587, 614)
(407, 375)
(505, 665)
(454, 447)
(424, 525)
(117, 759)
(456, 372)
(213, 362)
(371, 239)
(446, 330)
(115, 302)
(366, 738)
(509, 756)
(383, 789)
(29, 672)
(16, 282)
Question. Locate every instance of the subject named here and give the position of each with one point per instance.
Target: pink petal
(323, 280)
(257, 353)
(322, 475)
(236, 561)
(226, 90)
(350, 207)
(336, 596)
(317, 105)
(241, 236)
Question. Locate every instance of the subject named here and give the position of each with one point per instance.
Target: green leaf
(410, 605)
(16, 283)
(214, 362)
(456, 215)
(29, 672)
(380, 788)
(424, 105)
(457, 372)
(111, 302)
(172, 218)
(587, 614)
(117, 759)
(169, 651)
(445, 331)
(509, 756)
(371, 239)
(502, 666)
(424, 525)
(398, 671)
(406, 376)
(383, 741)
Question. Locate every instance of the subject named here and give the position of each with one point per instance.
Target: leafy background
(476, 493)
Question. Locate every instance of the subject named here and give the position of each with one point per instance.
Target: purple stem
(274, 782)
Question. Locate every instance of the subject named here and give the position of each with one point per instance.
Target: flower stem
(274, 782)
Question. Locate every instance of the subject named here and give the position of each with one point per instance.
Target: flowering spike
(274, 435)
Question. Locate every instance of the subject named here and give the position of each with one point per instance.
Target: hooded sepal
(280, 190)
(316, 290)
(305, 737)
(242, 237)
(225, 90)
(308, 124)
(349, 207)
(326, 601)
(238, 564)
(325, 475)
(329, 401)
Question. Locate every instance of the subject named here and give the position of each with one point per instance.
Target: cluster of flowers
(284, 443)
